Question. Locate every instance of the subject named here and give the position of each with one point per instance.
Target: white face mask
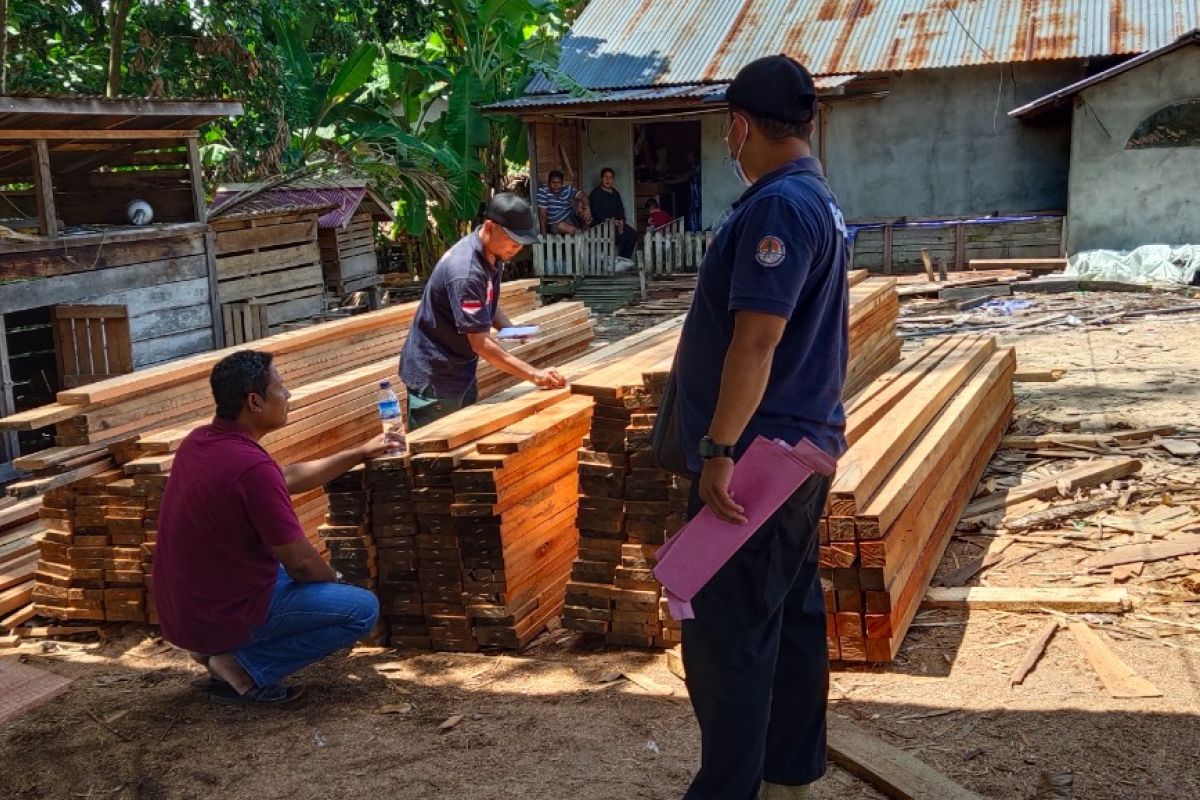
(734, 159)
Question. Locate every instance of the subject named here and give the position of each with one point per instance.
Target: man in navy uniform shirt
(459, 308)
(763, 352)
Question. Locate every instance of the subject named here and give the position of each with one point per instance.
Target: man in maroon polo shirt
(236, 582)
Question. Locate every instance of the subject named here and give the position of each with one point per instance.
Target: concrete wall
(939, 144)
(1121, 199)
(609, 143)
(718, 186)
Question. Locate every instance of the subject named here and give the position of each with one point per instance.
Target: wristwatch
(710, 449)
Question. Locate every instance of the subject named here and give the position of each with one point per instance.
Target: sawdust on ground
(553, 723)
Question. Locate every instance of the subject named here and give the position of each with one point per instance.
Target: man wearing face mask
(458, 310)
(763, 353)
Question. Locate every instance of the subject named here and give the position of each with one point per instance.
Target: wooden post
(887, 249)
(43, 187)
(214, 294)
(199, 205)
(960, 248)
(9, 446)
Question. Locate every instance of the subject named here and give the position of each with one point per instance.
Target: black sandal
(276, 696)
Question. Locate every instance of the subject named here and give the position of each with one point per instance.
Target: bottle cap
(385, 384)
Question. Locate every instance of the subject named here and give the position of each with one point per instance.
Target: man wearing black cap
(763, 353)
(459, 308)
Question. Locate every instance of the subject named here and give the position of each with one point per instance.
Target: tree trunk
(3, 46)
(118, 14)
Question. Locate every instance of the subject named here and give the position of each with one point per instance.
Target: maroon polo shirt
(225, 506)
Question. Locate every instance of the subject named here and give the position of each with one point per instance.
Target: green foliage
(388, 90)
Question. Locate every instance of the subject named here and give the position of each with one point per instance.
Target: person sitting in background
(656, 217)
(556, 205)
(236, 581)
(606, 205)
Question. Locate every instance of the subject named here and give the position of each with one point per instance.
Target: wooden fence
(672, 249)
(592, 252)
(896, 247)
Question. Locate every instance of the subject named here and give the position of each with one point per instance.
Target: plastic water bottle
(393, 424)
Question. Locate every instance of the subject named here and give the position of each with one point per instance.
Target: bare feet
(227, 668)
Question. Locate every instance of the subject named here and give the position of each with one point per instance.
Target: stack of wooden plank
(474, 530)
(625, 505)
(19, 528)
(874, 346)
(346, 532)
(94, 548)
(394, 532)
(919, 439)
(100, 488)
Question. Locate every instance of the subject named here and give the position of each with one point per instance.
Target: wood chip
(450, 724)
(1036, 648)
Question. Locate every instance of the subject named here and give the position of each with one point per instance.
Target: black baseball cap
(775, 87)
(514, 215)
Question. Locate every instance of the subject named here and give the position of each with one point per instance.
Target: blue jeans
(305, 623)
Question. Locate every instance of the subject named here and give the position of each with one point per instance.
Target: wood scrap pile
(95, 513)
(473, 532)
(1122, 503)
(920, 437)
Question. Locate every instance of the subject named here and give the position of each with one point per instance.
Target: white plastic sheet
(1152, 263)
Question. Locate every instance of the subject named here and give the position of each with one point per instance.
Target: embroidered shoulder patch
(770, 251)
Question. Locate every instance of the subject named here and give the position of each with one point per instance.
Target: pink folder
(767, 475)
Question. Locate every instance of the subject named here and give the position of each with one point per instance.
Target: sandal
(275, 696)
(210, 683)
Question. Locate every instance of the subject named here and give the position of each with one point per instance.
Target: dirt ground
(551, 723)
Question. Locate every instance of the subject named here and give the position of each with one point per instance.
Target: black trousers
(626, 242)
(756, 659)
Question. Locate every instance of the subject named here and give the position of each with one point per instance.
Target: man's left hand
(714, 490)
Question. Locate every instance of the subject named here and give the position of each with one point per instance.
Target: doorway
(666, 167)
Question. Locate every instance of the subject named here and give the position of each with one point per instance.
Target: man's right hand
(548, 379)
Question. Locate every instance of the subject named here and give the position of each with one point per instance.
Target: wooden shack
(84, 293)
(346, 228)
(268, 270)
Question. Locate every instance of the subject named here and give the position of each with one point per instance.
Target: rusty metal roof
(630, 43)
(1061, 96)
(688, 96)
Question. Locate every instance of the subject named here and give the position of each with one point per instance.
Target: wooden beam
(889, 768)
(91, 134)
(1036, 648)
(1118, 678)
(1130, 554)
(9, 444)
(43, 186)
(1103, 599)
(214, 294)
(81, 106)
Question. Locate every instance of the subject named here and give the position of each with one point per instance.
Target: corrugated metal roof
(1064, 94)
(630, 43)
(341, 202)
(687, 95)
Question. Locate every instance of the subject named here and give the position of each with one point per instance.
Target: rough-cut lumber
(1036, 648)
(176, 372)
(889, 768)
(1004, 598)
(1129, 554)
(460, 428)
(1090, 474)
(867, 463)
(1118, 678)
(1086, 439)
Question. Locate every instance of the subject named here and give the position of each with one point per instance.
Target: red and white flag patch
(472, 306)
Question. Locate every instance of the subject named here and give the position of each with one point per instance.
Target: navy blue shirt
(461, 297)
(782, 251)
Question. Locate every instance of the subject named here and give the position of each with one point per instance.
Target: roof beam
(132, 107)
(107, 134)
